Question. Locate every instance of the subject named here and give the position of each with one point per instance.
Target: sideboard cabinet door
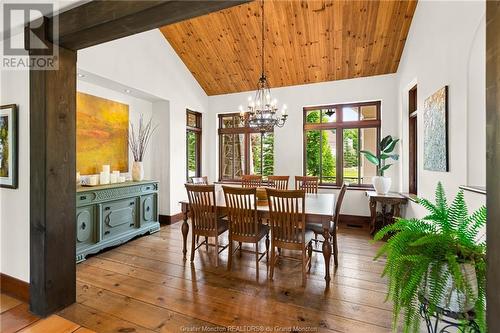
(118, 217)
(149, 212)
(85, 226)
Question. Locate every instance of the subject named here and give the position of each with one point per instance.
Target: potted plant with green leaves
(438, 260)
(386, 146)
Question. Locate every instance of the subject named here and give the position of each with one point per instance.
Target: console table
(109, 215)
(394, 200)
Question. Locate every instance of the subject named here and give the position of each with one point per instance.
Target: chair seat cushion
(318, 227)
(222, 226)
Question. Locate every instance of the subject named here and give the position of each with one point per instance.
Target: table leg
(373, 213)
(327, 252)
(185, 231)
(397, 210)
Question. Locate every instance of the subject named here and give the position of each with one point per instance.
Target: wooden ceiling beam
(102, 21)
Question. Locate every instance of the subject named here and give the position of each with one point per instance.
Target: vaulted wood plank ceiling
(306, 42)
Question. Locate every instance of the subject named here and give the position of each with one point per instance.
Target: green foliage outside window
(317, 145)
(263, 150)
(191, 146)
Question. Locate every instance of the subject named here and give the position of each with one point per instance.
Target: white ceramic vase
(453, 299)
(381, 184)
(137, 171)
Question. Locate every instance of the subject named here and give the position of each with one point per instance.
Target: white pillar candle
(104, 178)
(78, 178)
(106, 168)
(117, 173)
(113, 178)
(121, 179)
(93, 180)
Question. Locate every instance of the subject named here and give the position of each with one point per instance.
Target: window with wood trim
(334, 135)
(193, 144)
(412, 140)
(243, 150)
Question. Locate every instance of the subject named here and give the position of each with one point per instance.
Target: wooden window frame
(246, 131)
(339, 125)
(412, 141)
(198, 131)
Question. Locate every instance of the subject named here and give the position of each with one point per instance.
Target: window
(193, 144)
(412, 140)
(334, 135)
(243, 150)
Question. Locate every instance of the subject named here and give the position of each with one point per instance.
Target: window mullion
(359, 156)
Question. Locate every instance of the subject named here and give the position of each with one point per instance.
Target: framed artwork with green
(8, 146)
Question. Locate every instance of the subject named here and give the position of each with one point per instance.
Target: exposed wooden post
(53, 186)
(493, 162)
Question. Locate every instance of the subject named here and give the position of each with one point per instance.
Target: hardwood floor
(15, 317)
(145, 286)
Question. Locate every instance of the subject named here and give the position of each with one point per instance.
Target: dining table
(319, 208)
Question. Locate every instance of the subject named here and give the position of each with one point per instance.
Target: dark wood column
(53, 185)
(53, 132)
(493, 161)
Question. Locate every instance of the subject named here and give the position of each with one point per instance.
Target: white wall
(147, 62)
(289, 139)
(14, 203)
(136, 107)
(446, 46)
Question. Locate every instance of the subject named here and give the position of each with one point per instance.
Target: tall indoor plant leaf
(431, 259)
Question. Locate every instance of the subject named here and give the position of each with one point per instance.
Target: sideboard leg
(373, 215)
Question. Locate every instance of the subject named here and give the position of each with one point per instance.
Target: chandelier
(262, 111)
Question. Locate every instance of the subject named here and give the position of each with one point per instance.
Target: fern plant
(426, 253)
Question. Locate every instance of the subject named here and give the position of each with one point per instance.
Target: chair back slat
(251, 181)
(200, 180)
(241, 204)
(338, 206)
(307, 183)
(278, 182)
(203, 206)
(287, 215)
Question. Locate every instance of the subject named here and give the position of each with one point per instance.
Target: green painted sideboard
(110, 215)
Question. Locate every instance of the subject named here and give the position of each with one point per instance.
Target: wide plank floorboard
(146, 286)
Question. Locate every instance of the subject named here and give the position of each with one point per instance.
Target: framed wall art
(8, 146)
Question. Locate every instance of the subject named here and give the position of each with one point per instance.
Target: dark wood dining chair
(200, 180)
(317, 228)
(251, 181)
(307, 183)
(244, 224)
(278, 182)
(205, 218)
(288, 227)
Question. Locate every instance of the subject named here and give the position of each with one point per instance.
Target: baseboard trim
(170, 219)
(15, 287)
(355, 221)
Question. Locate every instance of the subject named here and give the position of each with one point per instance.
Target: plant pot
(137, 171)
(456, 300)
(381, 184)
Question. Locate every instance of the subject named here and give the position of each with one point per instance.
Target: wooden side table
(394, 200)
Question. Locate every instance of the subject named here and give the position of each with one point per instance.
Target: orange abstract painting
(101, 134)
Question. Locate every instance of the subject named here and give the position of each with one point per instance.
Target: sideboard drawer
(118, 217)
(84, 198)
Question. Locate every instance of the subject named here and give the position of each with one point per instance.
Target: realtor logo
(42, 55)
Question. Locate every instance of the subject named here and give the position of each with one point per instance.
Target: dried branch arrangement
(139, 140)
